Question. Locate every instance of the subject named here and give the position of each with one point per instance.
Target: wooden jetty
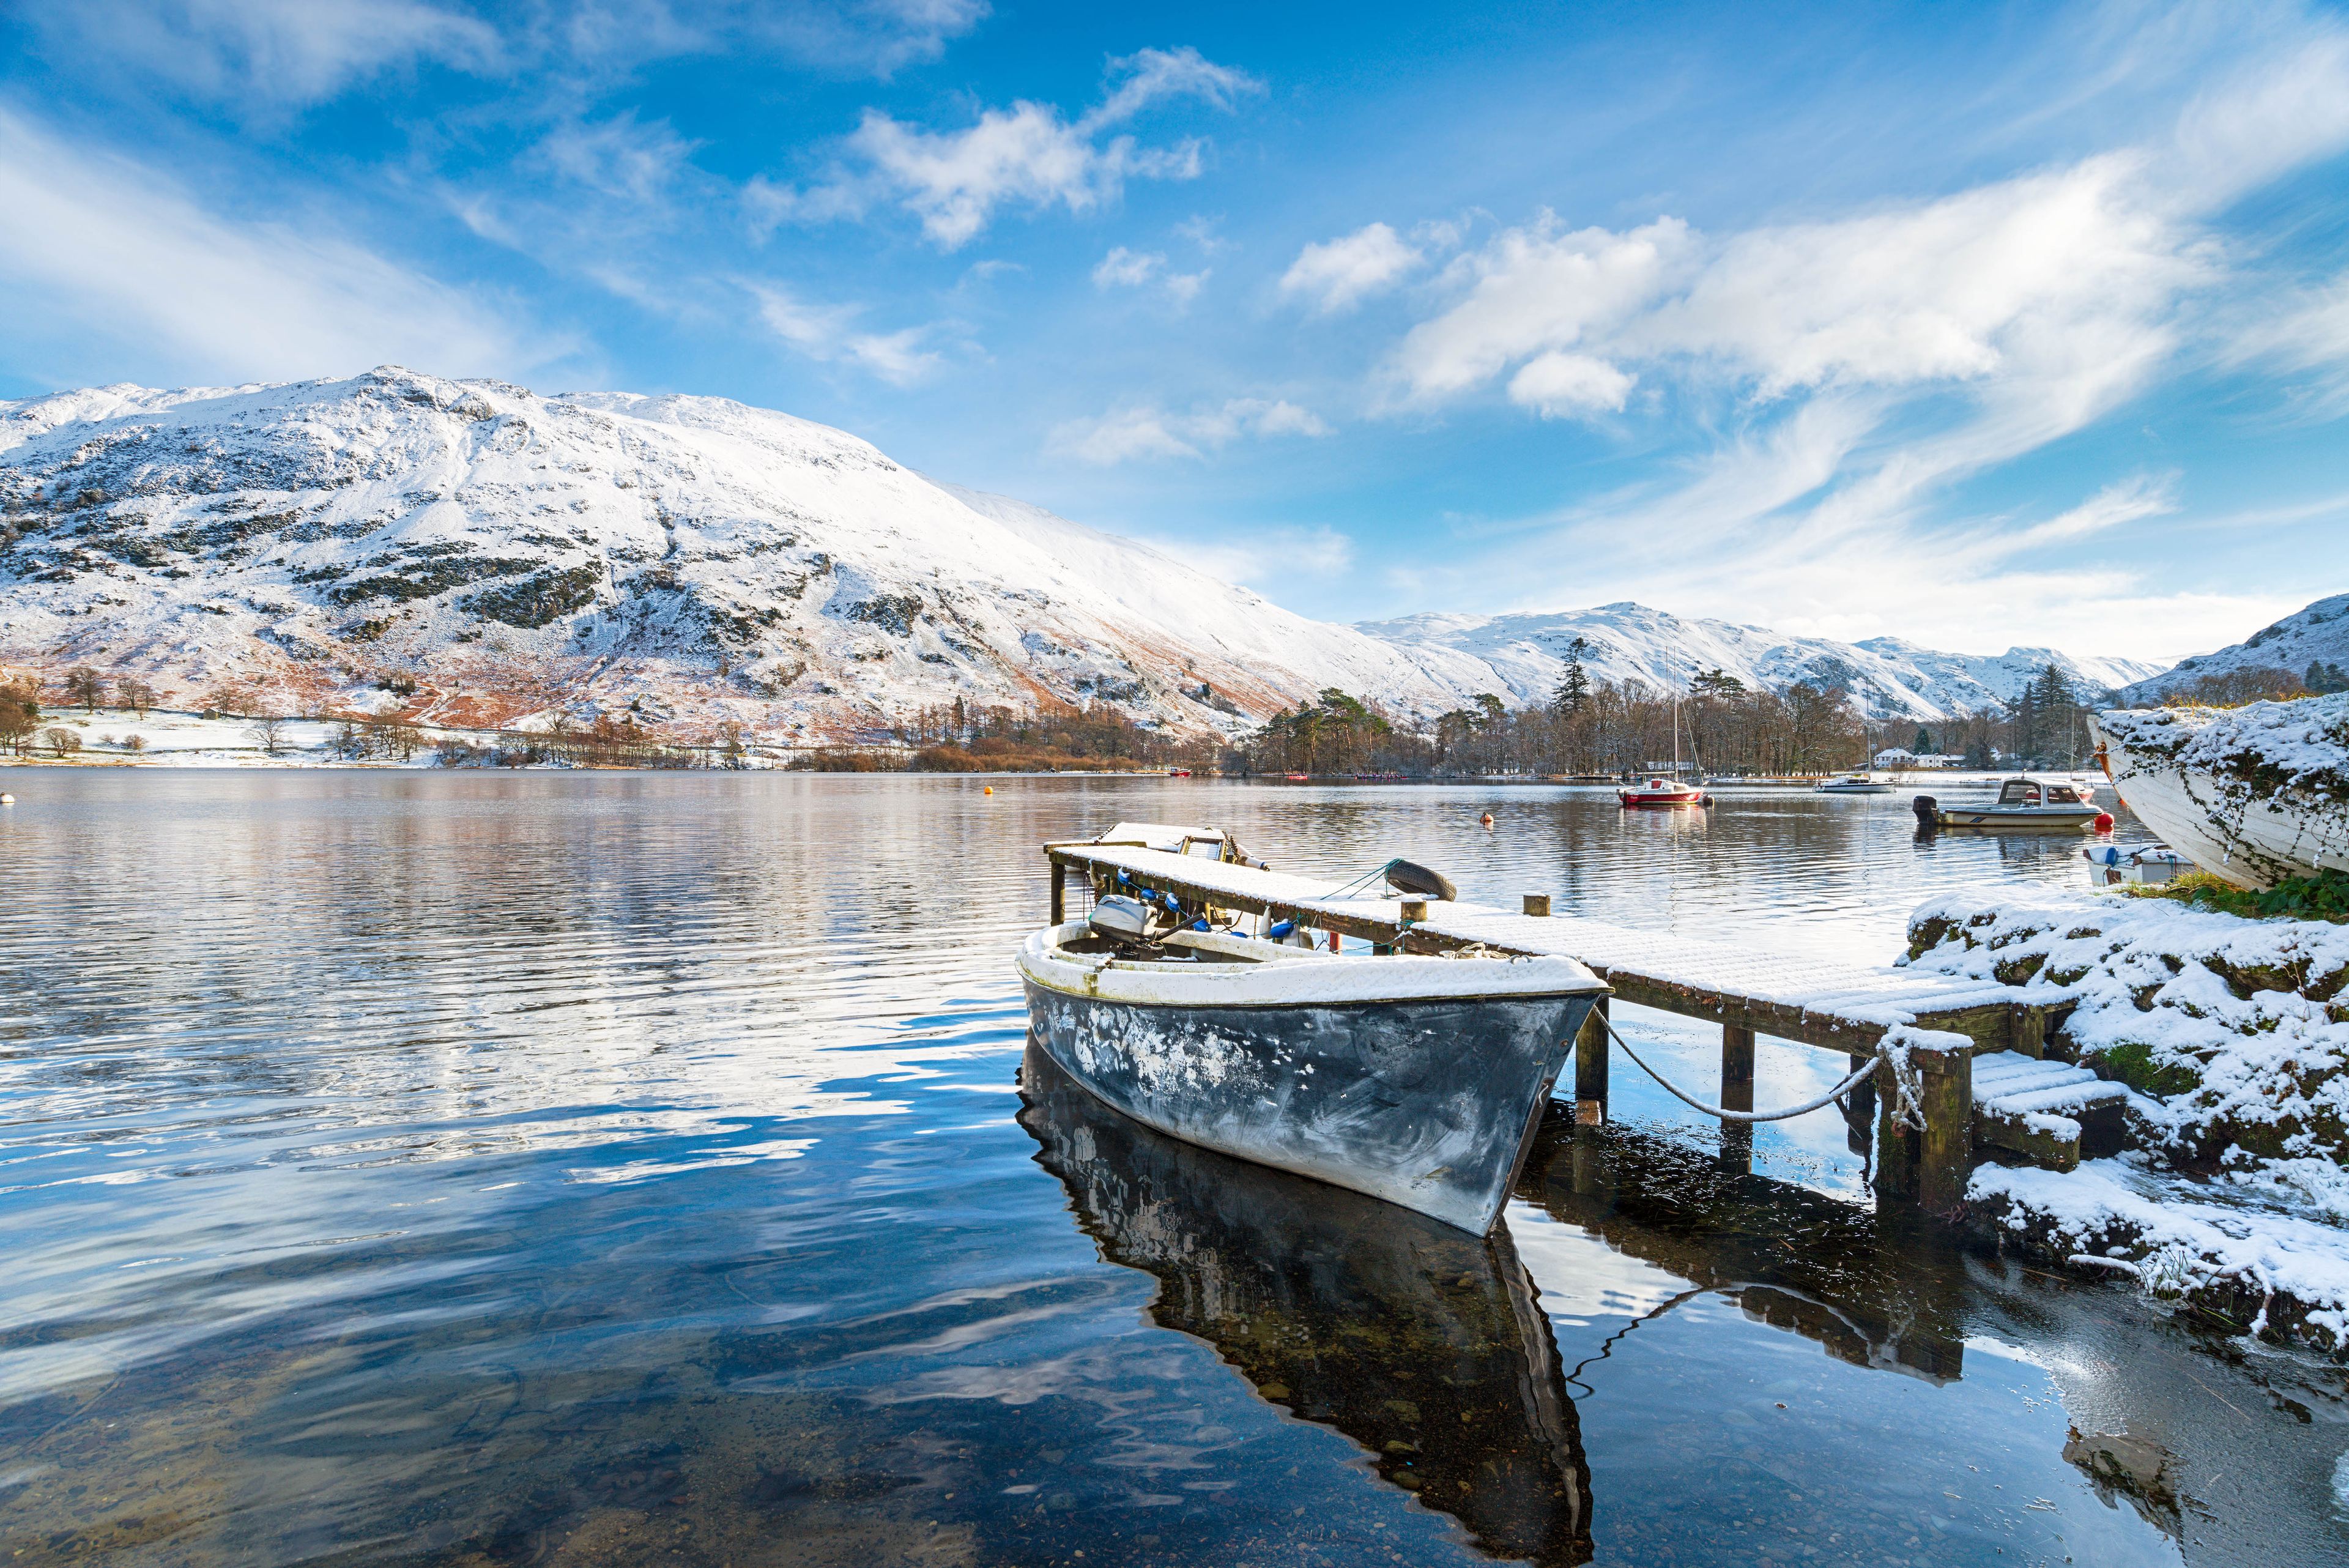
(1942, 1021)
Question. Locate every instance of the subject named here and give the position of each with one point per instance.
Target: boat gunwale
(1040, 953)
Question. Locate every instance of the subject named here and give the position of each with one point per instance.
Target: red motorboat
(1661, 791)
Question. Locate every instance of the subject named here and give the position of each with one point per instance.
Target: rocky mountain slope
(472, 553)
(2319, 632)
(514, 556)
(1891, 679)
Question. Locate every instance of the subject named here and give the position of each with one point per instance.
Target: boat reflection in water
(1420, 1342)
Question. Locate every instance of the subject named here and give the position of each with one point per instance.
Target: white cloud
(1122, 268)
(1145, 430)
(1561, 386)
(1343, 272)
(108, 245)
(1125, 268)
(827, 333)
(1028, 155)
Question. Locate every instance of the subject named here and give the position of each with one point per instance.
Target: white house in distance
(1899, 757)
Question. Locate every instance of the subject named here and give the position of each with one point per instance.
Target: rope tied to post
(1904, 1077)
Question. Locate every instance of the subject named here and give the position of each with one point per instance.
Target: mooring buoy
(1487, 819)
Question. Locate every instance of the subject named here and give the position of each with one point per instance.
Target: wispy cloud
(130, 256)
(1123, 268)
(1268, 557)
(1145, 431)
(1027, 155)
(267, 51)
(828, 334)
(1843, 375)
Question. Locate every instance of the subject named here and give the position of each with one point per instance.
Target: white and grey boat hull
(1430, 1103)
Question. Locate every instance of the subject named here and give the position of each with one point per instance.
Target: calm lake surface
(478, 1169)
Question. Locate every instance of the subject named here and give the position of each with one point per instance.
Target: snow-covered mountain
(473, 553)
(1527, 654)
(516, 556)
(2319, 632)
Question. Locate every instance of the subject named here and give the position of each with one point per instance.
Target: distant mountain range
(1527, 655)
(472, 553)
(2318, 634)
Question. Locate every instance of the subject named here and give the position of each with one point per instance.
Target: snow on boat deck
(1817, 1001)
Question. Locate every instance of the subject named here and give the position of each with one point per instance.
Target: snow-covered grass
(190, 740)
(2238, 1027)
(2237, 1033)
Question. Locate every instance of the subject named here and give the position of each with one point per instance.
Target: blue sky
(1970, 324)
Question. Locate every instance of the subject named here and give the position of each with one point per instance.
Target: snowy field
(119, 737)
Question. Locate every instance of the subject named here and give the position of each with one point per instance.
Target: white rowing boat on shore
(2255, 794)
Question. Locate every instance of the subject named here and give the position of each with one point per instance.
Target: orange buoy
(989, 790)
(1487, 819)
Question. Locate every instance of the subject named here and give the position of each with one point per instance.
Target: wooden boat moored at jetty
(1418, 1079)
(2252, 802)
(2027, 801)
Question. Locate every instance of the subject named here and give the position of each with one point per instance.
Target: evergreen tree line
(1594, 728)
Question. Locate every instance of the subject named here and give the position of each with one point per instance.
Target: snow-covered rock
(1527, 654)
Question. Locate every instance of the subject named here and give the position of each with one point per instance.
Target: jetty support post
(1736, 1095)
(1929, 1168)
(1945, 1163)
(1590, 1067)
(1059, 890)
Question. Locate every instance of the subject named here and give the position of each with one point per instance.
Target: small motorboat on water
(1851, 783)
(2027, 801)
(2117, 865)
(1662, 792)
(1415, 1079)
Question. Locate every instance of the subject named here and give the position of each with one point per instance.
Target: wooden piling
(1060, 893)
(1945, 1160)
(1736, 1068)
(1590, 1067)
(1896, 1140)
(1537, 904)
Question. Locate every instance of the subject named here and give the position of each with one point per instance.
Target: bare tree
(20, 716)
(269, 730)
(60, 742)
(135, 694)
(85, 686)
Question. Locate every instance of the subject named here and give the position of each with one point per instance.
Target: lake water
(478, 1169)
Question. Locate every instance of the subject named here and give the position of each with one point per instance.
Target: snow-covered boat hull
(1426, 1101)
(2253, 834)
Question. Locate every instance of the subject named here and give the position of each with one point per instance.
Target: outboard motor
(1929, 812)
(1412, 879)
(1121, 918)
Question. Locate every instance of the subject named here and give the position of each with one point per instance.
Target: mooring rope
(1724, 1112)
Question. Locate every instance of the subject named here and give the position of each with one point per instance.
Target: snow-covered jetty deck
(1940, 1022)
